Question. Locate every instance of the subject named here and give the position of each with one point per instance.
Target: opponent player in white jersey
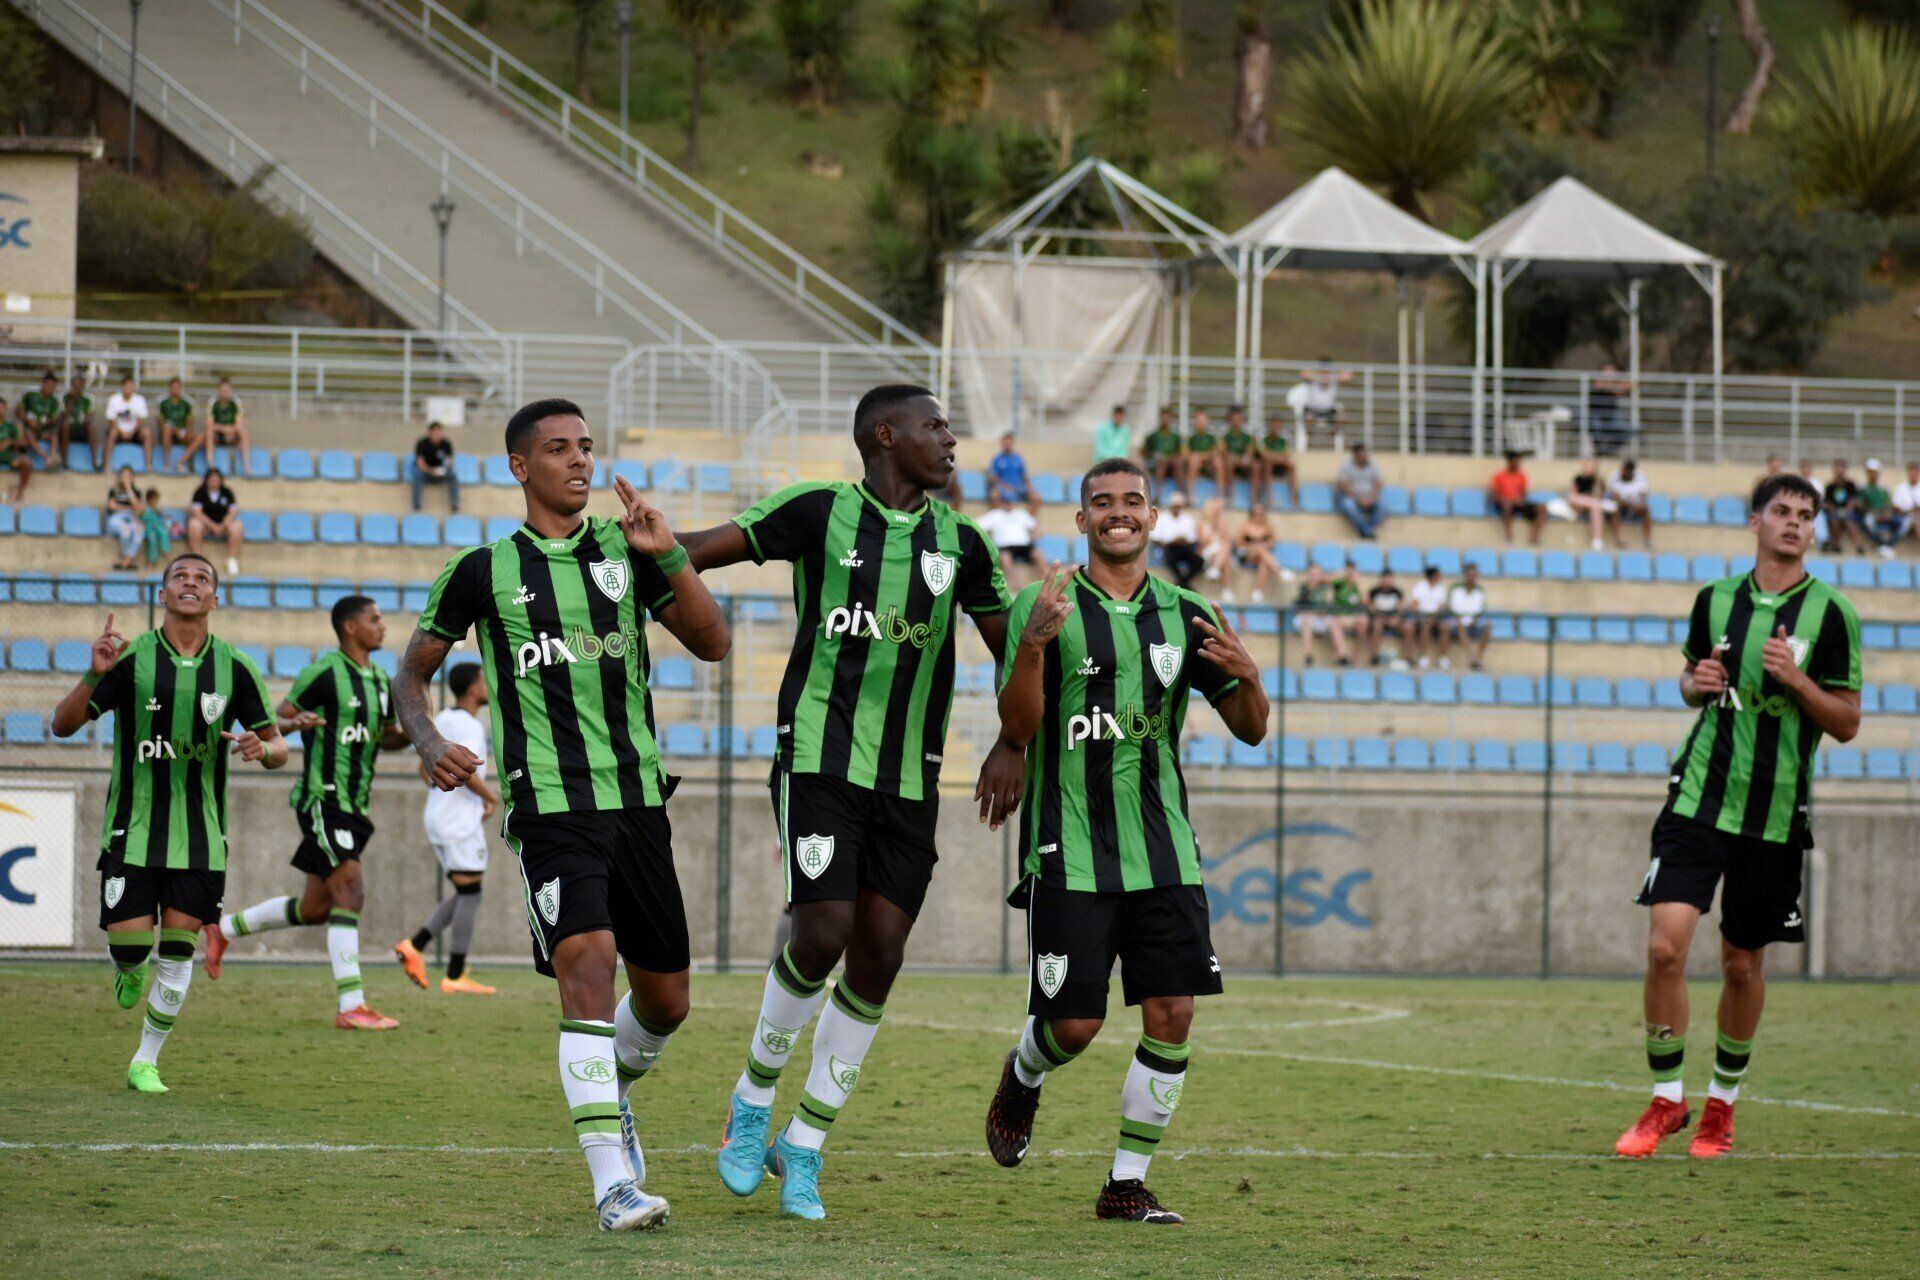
(456, 822)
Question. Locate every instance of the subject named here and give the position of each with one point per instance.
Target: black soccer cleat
(1010, 1117)
(1130, 1201)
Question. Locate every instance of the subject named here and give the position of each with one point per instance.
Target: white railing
(608, 145)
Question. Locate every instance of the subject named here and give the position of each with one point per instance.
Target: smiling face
(1117, 515)
(557, 466)
(190, 588)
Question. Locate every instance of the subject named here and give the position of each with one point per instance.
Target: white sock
(1671, 1090)
(787, 1004)
(171, 978)
(272, 913)
(1037, 1054)
(1155, 1079)
(637, 1046)
(1727, 1093)
(840, 1042)
(343, 948)
(587, 1078)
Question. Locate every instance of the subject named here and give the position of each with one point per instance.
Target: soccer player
(455, 823)
(880, 571)
(172, 694)
(1095, 689)
(76, 423)
(1165, 450)
(342, 706)
(226, 424)
(39, 413)
(1773, 662)
(176, 425)
(560, 609)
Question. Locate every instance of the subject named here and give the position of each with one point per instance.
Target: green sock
(1729, 1067)
(129, 948)
(1665, 1058)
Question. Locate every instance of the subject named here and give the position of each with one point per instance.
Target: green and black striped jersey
(353, 703)
(167, 798)
(1105, 808)
(1747, 766)
(562, 630)
(870, 681)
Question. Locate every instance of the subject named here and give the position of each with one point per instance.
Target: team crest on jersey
(1051, 971)
(937, 569)
(111, 889)
(1166, 662)
(612, 577)
(343, 838)
(1799, 648)
(813, 853)
(211, 705)
(548, 900)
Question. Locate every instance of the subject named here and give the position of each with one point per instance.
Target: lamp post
(623, 13)
(1713, 85)
(442, 218)
(133, 80)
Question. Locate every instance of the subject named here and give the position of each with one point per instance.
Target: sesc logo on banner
(36, 867)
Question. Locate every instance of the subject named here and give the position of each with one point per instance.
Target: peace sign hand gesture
(646, 528)
(1050, 608)
(1223, 648)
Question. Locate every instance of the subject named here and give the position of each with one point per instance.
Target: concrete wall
(39, 224)
(1372, 884)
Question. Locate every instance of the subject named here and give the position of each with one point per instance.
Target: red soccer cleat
(364, 1019)
(1714, 1137)
(216, 949)
(1660, 1119)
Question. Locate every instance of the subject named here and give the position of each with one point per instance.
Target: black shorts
(1160, 937)
(1023, 554)
(329, 837)
(129, 893)
(840, 839)
(609, 870)
(1761, 903)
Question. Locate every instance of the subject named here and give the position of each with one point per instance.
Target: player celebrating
(454, 821)
(1097, 684)
(560, 608)
(172, 693)
(341, 705)
(1773, 662)
(879, 568)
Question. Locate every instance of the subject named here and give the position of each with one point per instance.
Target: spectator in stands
(1360, 485)
(174, 425)
(215, 513)
(1177, 534)
(1607, 427)
(123, 518)
(1216, 540)
(1276, 460)
(1588, 497)
(1507, 492)
(127, 415)
(227, 424)
(433, 464)
(1386, 616)
(156, 530)
(1253, 549)
(13, 454)
(1317, 398)
(1631, 496)
(1007, 474)
(1350, 599)
(1114, 437)
(1239, 453)
(1165, 452)
(76, 423)
(1877, 519)
(1840, 504)
(1426, 620)
(1012, 526)
(1314, 614)
(1466, 605)
(1775, 466)
(39, 414)
(1820, 529)
(1204, 456)
(1906, 502)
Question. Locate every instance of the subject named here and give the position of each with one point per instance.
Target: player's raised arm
(71, 714)
(1244, 707)
(1041, 615)
(716, 548)
(693, 617)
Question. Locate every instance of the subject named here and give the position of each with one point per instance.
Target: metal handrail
(696, 208)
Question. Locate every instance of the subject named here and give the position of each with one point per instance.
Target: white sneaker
(1598, 545)
(1425, 662)
(1886, 553)
(233, 567)
(1260, 597)
(1446, 664)
(1226, 597)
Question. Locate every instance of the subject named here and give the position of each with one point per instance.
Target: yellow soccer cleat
(412, 961)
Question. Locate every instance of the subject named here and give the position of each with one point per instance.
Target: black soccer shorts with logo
(839, 839)
(611, 870)
(1761, 901)
(1160, 936)
(129, 892)
(329, 837)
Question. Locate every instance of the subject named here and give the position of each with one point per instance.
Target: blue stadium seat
(71, 657)
(1534, 628)
(497, 472)
(1908, 637)
(1517, 691)
(1883, 764)
(249, 593)
(1486, 559)
(1559, 566)
(1502, 624)
(1634, 566)
(1692, 509)
(461, 531)
(337, 529)
(466, 469)
(1205, 750)
(1048, 487)
(1633, 693)
(1900, 699)
(1593, 691)
(1318, 685)
(80, 455)
(76, 588)
(1572, 757)
(1660, 507)
(1845, 762)
(1358, 686)
(82, 522)
(384, 593)
(289, 660)
(294, 527)
(380, 529)
(1405, 561)
(1870, 699)
(1666, 696)
(1372, 753)
(973, 677)
(379, 466)
(1316, 498)
(670, 477)
(292, 593)
(1052, 546)
(1367, 558)
(1670, 566)
(1477, 689)
(413, 596)
(1292, 557)
(33, 588)
(8, 524)
(1596, 566)
(103, 729)
(1707, 568)
(293, 464)
(1445, 559)
(387, 661)
(1649, 631)
(1452, 753)
(1491, 756)
(1611, 758)
(1330, 556)
(122, 590)
(1294, 753)
(330, 591)
(259, 464)
(1879, 635)
(1572, 628)
(1730, 513)
(764, 742)
(337, 464)
(40, 522)
(1438, 688)
(31, 656)
(1396, 501)
(973, 486)
(1256, 621)
(25, 727)
(1468, 503)
(1429, 500)
(499, 527)
(1858, 575)
(1896, 575)
(673, 674)
(1613, 631)
(1819, 566)
(713, 477)
(1559, 689)
(682, 739)
(420, 530)
(1243, 755)
(1272, 681)
(1649, 760)
(127, 455)
(256, 525)
(634, 473)
(1530, 756)
(1412, 755)
(1398, 686)
(1331, 753)
(1516, 562)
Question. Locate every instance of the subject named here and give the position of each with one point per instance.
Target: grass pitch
(1330, 1128)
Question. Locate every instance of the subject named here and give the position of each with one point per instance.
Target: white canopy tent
(1336, 223)
(1570, 229)
(1128, 292)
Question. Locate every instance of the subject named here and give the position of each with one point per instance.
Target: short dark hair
(876, 406)
(1773, 486)
(1114, 467)
(461, 678)
(346, 609)
(153, 495)
(48, 376)
(214, 471)
(527, 419)
(185, 556)
(1119, 408)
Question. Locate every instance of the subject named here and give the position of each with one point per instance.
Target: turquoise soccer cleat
(743, 1146)
(798, 1169)
(630, 1143)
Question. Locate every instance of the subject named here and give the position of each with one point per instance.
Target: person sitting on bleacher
(1466, 607)
(1164, 451)
(1012, 528)
(1386, 616)
(127, 419)
(1632, 497)
(1507, 492)
(1253, 549)
(1114, 437)
(156, 531)
(76, 424)
(1319, 397)
(1007, 475)
(1426, 620)
(1177, 534)
(1216, 540)
(1276, 459)
(13, 454)
(1204, 456)
(1360, 484)
(215, 513)
(1239, 452)
(1315, 613)
(1906, 502)
(226, 424)
(1588, 497)
(1840, 504)
(39, 413)
(175, 427)
(1877, 519)
(433, 464)
(123, 519)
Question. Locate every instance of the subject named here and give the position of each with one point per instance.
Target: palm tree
(1402, 95)
(1574, 52)
(992, 38)
(1853, 120)
(817, 37)
(706, 25)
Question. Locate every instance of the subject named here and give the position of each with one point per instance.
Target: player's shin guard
(787, 1004)
(1666, 1058)
(343, 949)
(1038, 1053)
(129, 948)
(273, 913)
(587, 1077)
(1730, 1059)
(840, 1043)
(171, 978)
(637, 1044)
(1147, 1102)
